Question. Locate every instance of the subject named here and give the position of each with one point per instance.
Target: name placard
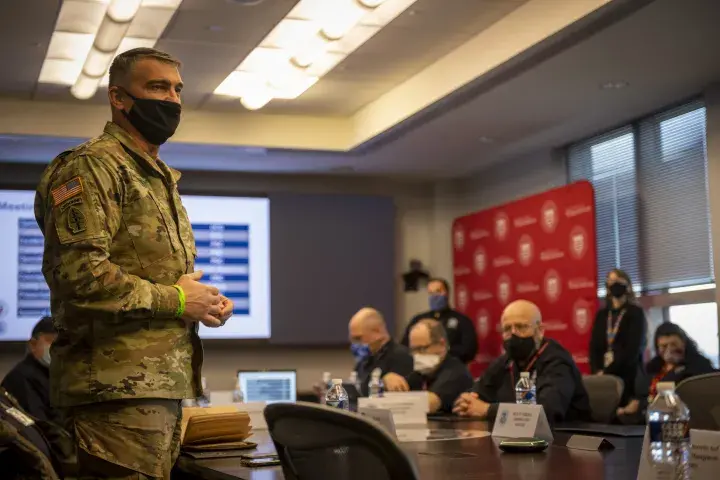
(408, 408)
(519, 421)
(704, 454)
(381, 416)
(704, 458)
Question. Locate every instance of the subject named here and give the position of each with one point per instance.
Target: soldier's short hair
(123, 64)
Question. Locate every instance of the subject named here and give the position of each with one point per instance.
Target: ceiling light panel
(90, 33)
(308, 43)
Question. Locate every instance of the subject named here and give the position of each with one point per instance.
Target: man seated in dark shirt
(373, 348)
(29, 381)
(558, 381)
(443, 375)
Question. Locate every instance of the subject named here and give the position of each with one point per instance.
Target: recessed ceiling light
(486, 140)
(614, 85)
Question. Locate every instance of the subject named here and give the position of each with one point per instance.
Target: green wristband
(181, 297)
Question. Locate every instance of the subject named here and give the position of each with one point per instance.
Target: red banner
(541, 249)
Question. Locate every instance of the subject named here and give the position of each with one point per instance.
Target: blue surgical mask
(360, 351)
(45, 359)
(438, 302)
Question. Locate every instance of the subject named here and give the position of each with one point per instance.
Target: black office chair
(315, 441)
(701, 394)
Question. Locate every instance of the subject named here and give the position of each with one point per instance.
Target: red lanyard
(529, 365)
(612, 331)
(667, 368)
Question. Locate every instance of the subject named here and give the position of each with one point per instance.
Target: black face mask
(156, 120)
(519, 349)
(618, 290)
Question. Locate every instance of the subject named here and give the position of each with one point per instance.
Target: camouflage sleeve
(82, 213)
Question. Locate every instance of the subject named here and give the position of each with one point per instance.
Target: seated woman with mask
(676, 358)
(560, 389)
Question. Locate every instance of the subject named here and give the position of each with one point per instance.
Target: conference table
(465, 458)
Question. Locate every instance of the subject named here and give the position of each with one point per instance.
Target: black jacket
(628, 346)
(29, 383)
(560, 389)
(391, 358)
(451, 379)
(693, 365)
(460, 331)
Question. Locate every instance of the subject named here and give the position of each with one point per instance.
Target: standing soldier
(119, 261)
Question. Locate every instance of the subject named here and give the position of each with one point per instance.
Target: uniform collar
(156, 165)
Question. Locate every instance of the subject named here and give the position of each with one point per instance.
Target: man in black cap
(29, 380)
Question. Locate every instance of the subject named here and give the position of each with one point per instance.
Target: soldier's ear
(117, 97)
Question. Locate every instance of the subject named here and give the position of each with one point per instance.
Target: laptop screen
(268, 386)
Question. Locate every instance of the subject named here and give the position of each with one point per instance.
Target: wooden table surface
(466, 459)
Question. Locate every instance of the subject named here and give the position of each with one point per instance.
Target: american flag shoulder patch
(67, 190)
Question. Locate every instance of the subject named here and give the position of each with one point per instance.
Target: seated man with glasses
(443, 376)
(560, 389)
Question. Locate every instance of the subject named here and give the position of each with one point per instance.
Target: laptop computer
(268, 386)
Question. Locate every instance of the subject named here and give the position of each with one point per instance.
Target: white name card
(704, 454)
(704, 458)
(519, 421)
(381, 416)
(408, 408)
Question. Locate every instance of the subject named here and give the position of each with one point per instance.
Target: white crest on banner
(480, 261)
(502, 225)
(526, 250)
(578, 242)
(553, 287)
(462, 297)
(549, 216)
(504, 289)
(459, 238)
(483, 323)
(582, 316)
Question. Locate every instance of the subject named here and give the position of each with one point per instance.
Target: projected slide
(232, 236)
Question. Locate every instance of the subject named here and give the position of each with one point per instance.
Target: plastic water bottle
(668, 420)
(375, 386)
(525, 390)
(324, 386)
(337, 396)
(237, 393)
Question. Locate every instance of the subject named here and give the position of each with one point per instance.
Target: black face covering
(156, 120)
(519, 349)
(618, 290)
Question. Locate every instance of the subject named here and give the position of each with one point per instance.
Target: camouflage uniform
(116, 239)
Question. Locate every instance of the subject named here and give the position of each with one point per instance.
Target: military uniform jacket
(116, 239)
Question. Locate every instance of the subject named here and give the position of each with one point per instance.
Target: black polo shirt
(459, 328)
(29, 383)
(391, 358)
(558, 381)
(447, 382)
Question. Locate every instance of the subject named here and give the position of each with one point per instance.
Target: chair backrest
(701, 394)
(316, 441)
(605, 392)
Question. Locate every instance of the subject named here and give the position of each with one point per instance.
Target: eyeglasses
(420, 348)
(521, 328)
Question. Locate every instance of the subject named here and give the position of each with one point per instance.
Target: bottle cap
(665, 387)
(524, 374)
(337, 381)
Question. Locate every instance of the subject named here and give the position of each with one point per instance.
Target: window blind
(651, 194)
(675, 226)
(608, 162)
